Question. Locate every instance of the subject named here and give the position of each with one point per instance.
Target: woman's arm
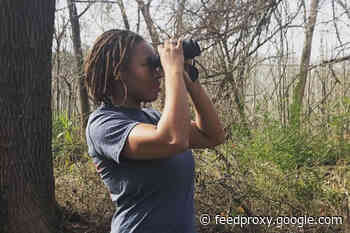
(171, 135)
(206, 130)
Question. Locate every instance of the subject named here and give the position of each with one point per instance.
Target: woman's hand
(171, 134)
(188, 81)
(171, 56)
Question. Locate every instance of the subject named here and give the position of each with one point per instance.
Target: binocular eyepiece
(190, 48)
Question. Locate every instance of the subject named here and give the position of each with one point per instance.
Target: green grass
(273, 171)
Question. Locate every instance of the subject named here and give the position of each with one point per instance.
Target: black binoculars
(191, 49)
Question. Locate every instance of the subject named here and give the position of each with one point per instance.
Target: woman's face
(141, 79)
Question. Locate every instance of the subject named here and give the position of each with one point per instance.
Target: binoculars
(191, 49)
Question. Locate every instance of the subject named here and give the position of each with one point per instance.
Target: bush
(67, 144)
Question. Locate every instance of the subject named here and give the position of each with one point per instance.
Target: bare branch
(331, 61)
(85, 10)
(93, 1)
(124, 15)
(335, 24)
(343, 5)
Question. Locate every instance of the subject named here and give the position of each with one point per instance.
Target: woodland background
(283, 97)
(278, 74)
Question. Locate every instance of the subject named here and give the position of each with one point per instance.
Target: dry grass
(83, 197)
(251, 189)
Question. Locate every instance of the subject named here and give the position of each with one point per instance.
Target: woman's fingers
(173, 43)
(171, 55)
(179, 43)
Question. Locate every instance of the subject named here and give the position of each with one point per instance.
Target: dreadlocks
(109, 55)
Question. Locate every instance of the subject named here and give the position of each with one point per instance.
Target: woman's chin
(151, 98)
(154, 98)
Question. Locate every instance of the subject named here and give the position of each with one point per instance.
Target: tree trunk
(27, 196)
(148, 19)
(299, 90)
(179, 15)
(144, 8)
(124, 15)
(238, 91)
(57, 86)
(58, 35)
(78, 53)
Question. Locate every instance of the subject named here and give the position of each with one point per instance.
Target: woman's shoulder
(152, 111)
(104, 113)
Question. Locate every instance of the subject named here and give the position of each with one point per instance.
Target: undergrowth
(272, 171)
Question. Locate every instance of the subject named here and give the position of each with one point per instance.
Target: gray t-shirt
(151, 196)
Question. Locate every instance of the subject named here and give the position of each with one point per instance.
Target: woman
(142, 156)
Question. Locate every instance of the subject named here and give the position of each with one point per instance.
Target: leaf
(346, 100)
(60, 135)
(68, 138)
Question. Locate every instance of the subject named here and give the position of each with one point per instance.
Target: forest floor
(87, 208)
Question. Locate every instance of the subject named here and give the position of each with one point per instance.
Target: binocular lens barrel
(190, 47)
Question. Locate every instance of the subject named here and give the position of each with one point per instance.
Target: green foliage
(271, 171)
(66, 141)
(79, 190)
(291, 147)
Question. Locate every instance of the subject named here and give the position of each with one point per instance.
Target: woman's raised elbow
(218, 140)
(221, 138)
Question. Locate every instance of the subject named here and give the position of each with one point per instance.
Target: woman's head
(108, 59)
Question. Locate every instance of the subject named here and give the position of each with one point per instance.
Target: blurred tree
(145, 10)
(179, 27)
(78, 53)
(299, 90)
(124, 15)
(234, 31)
(59, 35)
(27, 196)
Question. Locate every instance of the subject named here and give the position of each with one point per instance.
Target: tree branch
(85, 10)
(91, 1)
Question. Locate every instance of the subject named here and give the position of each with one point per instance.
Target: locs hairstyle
(109, 56)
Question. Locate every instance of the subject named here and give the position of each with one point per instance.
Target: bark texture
(78, 53)
(304, 65)
(26, 174)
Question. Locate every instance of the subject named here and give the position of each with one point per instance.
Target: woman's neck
(126, 104)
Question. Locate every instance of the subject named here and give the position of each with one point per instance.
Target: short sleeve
(108, 134)
(153, 114)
